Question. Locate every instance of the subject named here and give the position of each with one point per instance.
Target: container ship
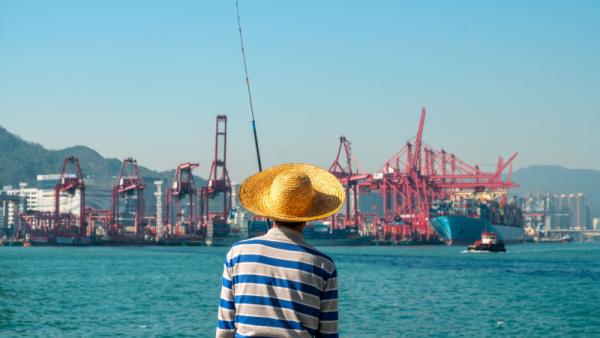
(319, 234)
(465, 224)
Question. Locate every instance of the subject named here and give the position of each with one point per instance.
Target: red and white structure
(129, 189)
(70, 182)
(418, 175)
(409, 183)
(218, 188)
(181, 203)
(346, 170)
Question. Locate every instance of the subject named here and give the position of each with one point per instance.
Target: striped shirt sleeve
(226, 315)
(328, 319)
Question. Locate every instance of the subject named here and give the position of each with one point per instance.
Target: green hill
(21, 161)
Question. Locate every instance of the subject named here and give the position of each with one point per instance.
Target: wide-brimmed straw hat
(292, 192)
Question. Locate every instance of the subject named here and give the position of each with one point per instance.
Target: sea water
(535, 290)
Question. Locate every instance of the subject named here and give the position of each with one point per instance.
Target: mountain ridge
(557, 179)
(21, 161)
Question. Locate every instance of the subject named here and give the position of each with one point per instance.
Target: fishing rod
(237, 9)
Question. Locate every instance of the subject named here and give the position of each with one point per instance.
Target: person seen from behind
(277, 285)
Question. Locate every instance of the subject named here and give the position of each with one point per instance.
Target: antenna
(237, 9)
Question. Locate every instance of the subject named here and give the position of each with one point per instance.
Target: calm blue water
(534, 290)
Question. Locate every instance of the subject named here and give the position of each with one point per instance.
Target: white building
(27, 200)
(45, 195)
(28, 195)
(41, 198)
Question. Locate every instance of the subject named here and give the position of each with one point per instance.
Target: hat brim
(329, 193)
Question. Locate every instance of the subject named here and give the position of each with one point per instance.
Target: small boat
(566, 239)
(488, 243)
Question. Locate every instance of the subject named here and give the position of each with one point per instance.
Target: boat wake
(480, 252)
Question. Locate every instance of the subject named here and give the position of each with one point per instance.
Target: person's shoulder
(248, 241)
(239, 246)
(242, 242)
(319, 255)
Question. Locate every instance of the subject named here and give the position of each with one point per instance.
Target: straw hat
(293, 192)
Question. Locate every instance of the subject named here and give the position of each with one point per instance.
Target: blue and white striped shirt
(277, 285)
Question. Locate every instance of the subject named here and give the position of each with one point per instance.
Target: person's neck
(297, 228)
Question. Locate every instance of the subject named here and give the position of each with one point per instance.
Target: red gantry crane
(66, 224)
(350, 178)
(218, 185)
(130, 189)
(417, 176)
(180, 216)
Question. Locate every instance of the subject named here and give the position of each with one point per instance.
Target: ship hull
(465, 230)
(358, 241)
(321, 234)
(72, 241)
(180, 242)
(39, 240)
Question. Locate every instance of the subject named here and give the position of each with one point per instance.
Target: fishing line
(237, 9)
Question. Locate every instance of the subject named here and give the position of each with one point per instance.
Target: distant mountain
(556, 179)
(21, 161)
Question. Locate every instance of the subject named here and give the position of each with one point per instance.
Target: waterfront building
(25, 197)
(571, 209)
(582, 212)
(552, 203)
(40, 197)
(558, 221)
(45, 185)
(563, 203)
(561, 211)
(589, 219)
(9, 204)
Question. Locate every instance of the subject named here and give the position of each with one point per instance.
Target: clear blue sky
(146, 78)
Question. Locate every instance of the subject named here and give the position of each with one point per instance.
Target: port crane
(218, 185)
(70, 182)
(182, 190)
(350, 177)
(417, 175)
(130, 189)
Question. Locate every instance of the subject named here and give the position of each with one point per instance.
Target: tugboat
(488, 243)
